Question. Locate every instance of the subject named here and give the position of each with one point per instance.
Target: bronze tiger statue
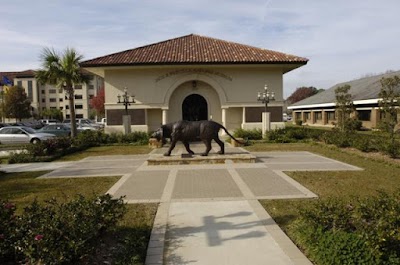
(188, 131)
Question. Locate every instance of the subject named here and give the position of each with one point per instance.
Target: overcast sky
(343, 39)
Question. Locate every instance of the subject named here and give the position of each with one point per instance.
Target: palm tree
(64, 72)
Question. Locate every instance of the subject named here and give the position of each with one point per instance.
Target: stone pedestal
(266, 122)
(154, 143)
(126, 121)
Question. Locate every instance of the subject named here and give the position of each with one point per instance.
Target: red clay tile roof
(194, 49)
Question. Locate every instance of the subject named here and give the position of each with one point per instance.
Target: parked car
(86, 123)
(56, 129)
(22, 135)
(103, 122)
(49, 121)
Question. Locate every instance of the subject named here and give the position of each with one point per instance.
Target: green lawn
(108, 150)
(378, 174)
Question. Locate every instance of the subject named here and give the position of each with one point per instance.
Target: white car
(22, 135)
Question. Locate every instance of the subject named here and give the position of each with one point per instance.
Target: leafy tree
(389, 106)
(344, 106)
(98, 101)
(52, 114)
(16, 103)
(63, 70)
(302, 93)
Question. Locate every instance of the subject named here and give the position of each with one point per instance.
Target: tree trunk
(72, 111)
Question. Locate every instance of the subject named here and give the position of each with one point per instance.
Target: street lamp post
(265, 97)
(126, 100)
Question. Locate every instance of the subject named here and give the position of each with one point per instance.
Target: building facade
(193, 78)
(320, 109)
(50, 97)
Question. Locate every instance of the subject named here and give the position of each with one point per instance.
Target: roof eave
(296, 64)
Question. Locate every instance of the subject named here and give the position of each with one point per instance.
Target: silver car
(22, 135)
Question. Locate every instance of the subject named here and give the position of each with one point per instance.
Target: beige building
(49, 97)
(193, 78)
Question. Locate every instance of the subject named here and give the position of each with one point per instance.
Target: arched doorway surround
(211, 101)
(194, 108)
(198, 77)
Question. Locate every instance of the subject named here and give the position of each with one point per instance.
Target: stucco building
(194, 78)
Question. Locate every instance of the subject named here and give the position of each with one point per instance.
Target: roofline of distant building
(333, 104)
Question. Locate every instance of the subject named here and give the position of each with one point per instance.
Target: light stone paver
(143, 186)
(264, 182)
(205, 183)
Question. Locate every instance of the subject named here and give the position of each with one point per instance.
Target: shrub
(352, 125)
(22, 157)
(7, 226)
(391, 147)
(278, 136)
(88, 138)
(329, 214)
(363, 144)
(254, 134)
(338, 247)
(63, 233)
(364, 232)
(299, 122)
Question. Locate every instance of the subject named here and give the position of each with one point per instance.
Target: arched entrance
(194, 108)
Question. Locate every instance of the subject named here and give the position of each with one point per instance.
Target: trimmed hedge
(363, 142)
(49, 150)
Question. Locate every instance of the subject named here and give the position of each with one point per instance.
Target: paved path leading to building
(208, 214)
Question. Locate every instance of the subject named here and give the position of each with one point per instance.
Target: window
(67, 116)
(19, 83)
(91, 96)
(43, 92)
(60, 90)
(364, 115)
(43, 100)
(53, 107)
(78, 87)
(61, 108)
(67, 107)
(43, 108)
(30, 90)
(307, 115)
(78, 96)
(318, 116)
(79, 116)
(78, 106)
(331, 115)
(53, 100)
(298, 115)
(91, 86)
(61, 99)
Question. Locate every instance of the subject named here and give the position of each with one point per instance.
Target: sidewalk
(207, 214)
(210, 214)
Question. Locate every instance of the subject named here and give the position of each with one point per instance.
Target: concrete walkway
(208, 214)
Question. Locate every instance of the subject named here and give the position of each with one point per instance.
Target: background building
(319, 110)
(50, 97)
